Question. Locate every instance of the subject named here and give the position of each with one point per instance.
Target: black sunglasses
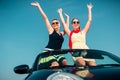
(55, 23)
(76, 22)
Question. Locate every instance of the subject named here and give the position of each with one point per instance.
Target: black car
(107, 67)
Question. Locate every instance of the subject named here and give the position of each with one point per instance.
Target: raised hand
(89, 6)
(60, 10)
(66, 15)
(35, 4)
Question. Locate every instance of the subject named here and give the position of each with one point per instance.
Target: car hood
(39, 75)
(104, 73)
(94, 73)
(44, 74)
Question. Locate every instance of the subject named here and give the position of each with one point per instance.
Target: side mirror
(22, 69)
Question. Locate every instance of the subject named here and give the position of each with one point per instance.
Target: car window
(106, 60)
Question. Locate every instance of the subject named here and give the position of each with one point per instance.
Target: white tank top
(79, 41)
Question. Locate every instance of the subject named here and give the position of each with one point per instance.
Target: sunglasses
(55, 23)
(76, 22)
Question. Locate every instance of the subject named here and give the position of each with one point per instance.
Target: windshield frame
(66, 51)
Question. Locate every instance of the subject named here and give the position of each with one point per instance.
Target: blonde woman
(55, 39)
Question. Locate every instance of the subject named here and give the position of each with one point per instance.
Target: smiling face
(75, 24)
(55, 24)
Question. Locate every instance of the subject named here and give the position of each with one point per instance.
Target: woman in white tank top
(77, 37)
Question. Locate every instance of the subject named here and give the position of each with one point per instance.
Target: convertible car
(107, 66)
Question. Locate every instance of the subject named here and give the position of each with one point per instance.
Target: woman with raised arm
(77, 37)
(55, 39)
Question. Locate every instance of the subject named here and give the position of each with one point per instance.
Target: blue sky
(23, 34)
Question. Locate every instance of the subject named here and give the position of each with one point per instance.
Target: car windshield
(100, 57)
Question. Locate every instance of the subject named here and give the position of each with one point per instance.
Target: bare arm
(65, 25)
(48, 25)
(67, 19)
(87, 26)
